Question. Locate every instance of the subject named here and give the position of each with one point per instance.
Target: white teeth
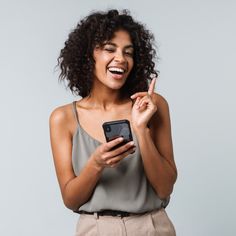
(115, 69)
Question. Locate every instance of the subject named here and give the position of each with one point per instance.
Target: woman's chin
(116, 85)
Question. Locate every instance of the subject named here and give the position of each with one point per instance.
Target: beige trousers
(155, 223)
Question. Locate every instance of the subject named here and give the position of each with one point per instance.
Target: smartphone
(117, 128)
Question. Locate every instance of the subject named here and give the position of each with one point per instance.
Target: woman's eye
(109, 49)
(129, 53)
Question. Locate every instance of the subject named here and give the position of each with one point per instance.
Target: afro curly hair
(76, 60)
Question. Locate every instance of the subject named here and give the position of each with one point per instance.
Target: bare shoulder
(161, 103)
(59, 115)
(62, 117)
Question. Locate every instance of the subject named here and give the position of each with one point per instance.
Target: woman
(108, 61)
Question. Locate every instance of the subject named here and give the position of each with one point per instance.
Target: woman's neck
(104, 98)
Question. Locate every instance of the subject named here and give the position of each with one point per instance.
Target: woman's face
(114, 60)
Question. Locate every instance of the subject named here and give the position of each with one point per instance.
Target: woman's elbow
(164, 194)
(166, 190)
(69, 202)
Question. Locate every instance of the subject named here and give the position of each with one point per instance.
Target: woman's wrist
(94, 164)
(141, 131)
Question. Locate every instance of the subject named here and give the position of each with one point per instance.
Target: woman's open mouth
(117, 73)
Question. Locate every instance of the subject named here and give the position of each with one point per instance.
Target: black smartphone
(117, 128)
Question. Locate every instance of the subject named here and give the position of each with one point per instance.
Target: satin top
(124, 188)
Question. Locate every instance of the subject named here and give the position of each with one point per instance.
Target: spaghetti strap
(75, 111)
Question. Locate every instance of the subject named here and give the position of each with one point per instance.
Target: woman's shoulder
(60, 113)
(61, 116)
(162, 114)
(159, 100)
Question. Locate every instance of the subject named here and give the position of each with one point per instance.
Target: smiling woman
(108, 61)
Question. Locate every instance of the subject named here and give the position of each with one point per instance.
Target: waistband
(111, 213)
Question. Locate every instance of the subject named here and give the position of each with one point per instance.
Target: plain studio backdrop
(196, 46)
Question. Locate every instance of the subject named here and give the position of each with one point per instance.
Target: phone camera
(108, 128)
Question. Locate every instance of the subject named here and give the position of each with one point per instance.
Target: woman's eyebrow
(115, 45)
(130, 46)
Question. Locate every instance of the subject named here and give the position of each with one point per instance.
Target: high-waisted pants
(155, 223)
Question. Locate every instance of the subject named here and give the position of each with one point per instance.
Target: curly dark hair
(76, 58)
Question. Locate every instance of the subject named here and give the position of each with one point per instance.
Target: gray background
(196, 41)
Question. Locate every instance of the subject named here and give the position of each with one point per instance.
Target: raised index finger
(152, 86)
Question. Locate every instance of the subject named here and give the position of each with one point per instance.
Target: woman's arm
(157, 151)
(75, 190)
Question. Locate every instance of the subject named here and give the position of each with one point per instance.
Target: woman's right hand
(104, 157)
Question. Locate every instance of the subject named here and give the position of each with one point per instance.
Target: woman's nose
(119, 57)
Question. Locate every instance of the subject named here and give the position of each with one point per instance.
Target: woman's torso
(125, 187)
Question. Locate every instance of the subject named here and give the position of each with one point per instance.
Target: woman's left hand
(143, 108)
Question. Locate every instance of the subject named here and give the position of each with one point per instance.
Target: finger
(118, 158)
(152, 86)
(121, 149)
(109, 145)
(139, 94)
(145, 99)
(137, 101)
(143, 103)
(150, 90)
